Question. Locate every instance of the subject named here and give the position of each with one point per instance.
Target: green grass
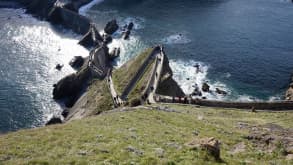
(99, 97)
(125, 73)
(104, 139)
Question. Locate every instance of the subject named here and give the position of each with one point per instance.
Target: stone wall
(277, 105)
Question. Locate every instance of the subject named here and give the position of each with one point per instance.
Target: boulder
(221, 92)
(111, 27)
(59, 66)
(70, 87)
(126, 35)
(54, 120)
(130, 26)
(211, 145)
(205, 87)
(107, 38)
(196, 91)
(114, 53)
(65, 113)
(76, 62)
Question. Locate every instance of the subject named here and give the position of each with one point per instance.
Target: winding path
(115, 97)
(154, 80)
(130, 86)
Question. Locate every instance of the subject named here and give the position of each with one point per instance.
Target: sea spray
(35, 50)
(192, 74)
(85, 8)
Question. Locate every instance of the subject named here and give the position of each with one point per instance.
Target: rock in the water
(205, 87)
(70, 87)
(126, 35)
(54, 120)
(107, 38)
(76, 62)
(211, 145)
(59, 67)
(114, 53)
(111, 27)
(221, 92)
(196, 91)
(65, 113)
(130, 26)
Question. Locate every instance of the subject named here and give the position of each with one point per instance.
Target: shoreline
(85, 25)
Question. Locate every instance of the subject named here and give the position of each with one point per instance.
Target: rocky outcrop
(92, 38)
(100, 61)
(127, 31)
(70, 87)
(111, 27)
(114, 53)
(167, 82)
(211, 145)
(54, 120)
(69, 19)
(76, 62)
(221, 92)
(205, 87)
(38, 8)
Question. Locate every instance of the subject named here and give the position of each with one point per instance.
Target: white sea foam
(188, 77)
(137, 21)
(85, 8)
(128, 48)
(176, 39)
(275, 98)
(43, 48)
(246, 98)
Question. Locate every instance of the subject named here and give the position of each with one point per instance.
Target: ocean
(242, 47)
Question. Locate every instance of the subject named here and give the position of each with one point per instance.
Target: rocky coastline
(72, 87)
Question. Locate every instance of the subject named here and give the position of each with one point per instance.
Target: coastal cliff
(97, 97)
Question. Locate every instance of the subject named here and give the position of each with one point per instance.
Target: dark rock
(130, 26)
(221, 92)
(54, 120)
(196, 91)
(65, 113)
(205, 87)
(69, 19)
(38, 8)
(114, 53)
(167, 82)
(92, 38)
(111, 27)
(135, 102)
(76, 62)
(71, 86)
(107, 38)
(59, 67)
(126, 35)
(99, 61)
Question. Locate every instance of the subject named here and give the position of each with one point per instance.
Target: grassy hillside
(123, 75)
(151, 135)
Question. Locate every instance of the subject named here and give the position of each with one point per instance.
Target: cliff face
(168, 86)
